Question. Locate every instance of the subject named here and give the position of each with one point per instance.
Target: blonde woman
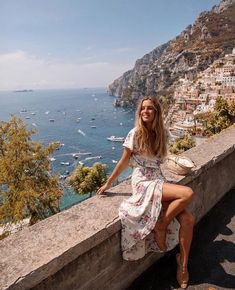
(155, 217)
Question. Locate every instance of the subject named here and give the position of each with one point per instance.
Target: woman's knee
(188, 193)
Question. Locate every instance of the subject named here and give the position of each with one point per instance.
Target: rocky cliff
(156, 73)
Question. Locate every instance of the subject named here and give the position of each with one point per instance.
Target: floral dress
(140, 212)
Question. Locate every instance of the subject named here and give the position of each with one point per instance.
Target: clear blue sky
(84, 43)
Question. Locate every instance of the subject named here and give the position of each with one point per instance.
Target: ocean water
(80, 119)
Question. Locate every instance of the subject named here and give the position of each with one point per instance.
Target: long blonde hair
(151, 142)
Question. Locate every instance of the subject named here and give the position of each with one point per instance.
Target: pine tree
(182, 144)
(27, 188)
(86, 179)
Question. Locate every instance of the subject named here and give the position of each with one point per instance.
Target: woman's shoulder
(131, 132)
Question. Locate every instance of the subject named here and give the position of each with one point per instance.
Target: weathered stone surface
(80, 247)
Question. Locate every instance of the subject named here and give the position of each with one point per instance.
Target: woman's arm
(121, 165)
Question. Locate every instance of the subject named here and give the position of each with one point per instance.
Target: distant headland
(23, 91)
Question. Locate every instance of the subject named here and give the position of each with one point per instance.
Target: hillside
(196, 48)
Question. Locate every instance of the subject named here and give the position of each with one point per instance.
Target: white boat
(75, 155)
(94, 157)
(65, 163)
(114, 161)
(81, 132)
(63, 176)
(52, 159)
(115, 139)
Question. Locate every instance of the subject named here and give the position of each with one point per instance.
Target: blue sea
(80, 119)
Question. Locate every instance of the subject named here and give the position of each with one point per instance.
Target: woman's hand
(103, 188)
(121, 165)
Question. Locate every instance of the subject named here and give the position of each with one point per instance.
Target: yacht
(115, 139)
(65, 163)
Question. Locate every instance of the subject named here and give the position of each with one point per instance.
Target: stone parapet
(79, 248)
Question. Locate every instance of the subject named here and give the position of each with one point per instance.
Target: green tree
(221, 118)
(182, 144)
(27, 189)
(221, 106)
(217, 123)
(231, 108)
(86, 179)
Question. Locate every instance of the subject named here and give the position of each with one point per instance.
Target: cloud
(20, 70)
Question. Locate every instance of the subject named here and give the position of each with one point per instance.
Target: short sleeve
(129, 141)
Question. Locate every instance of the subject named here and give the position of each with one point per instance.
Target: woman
(155, 217)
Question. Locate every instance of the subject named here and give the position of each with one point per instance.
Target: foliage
(231, 108)
(182, 144)
(217, 123)
(26, 186)
(218, 120)
(86, 179)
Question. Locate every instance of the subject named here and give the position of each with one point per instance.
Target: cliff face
(156, 73)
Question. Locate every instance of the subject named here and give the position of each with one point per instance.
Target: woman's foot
(182, 275)
(160, 237)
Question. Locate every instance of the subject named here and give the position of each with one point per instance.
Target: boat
(93, 126)
(81, 132)
(52, 120)
(65, 163)
(115, 139)
(94, 157)
(52, 159)
(114, 161)
(63, 176)
(76, 155)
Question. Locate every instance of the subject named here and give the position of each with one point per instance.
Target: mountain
(198, 46)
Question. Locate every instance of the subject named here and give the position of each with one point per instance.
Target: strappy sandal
(182, 275)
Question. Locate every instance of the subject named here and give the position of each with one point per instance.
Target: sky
(55, 44)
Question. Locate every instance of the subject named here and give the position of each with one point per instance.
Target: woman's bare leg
(186, 220)
(179, 197)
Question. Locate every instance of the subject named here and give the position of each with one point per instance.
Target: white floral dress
(140, 212)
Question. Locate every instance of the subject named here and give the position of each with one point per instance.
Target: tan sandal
(182, 275)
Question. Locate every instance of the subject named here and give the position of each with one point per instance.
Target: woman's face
(147, 112)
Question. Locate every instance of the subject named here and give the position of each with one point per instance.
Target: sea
(80, 119)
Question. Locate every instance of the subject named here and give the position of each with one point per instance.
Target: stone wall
(79, 248)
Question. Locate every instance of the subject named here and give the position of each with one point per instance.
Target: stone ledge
(40, 251)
